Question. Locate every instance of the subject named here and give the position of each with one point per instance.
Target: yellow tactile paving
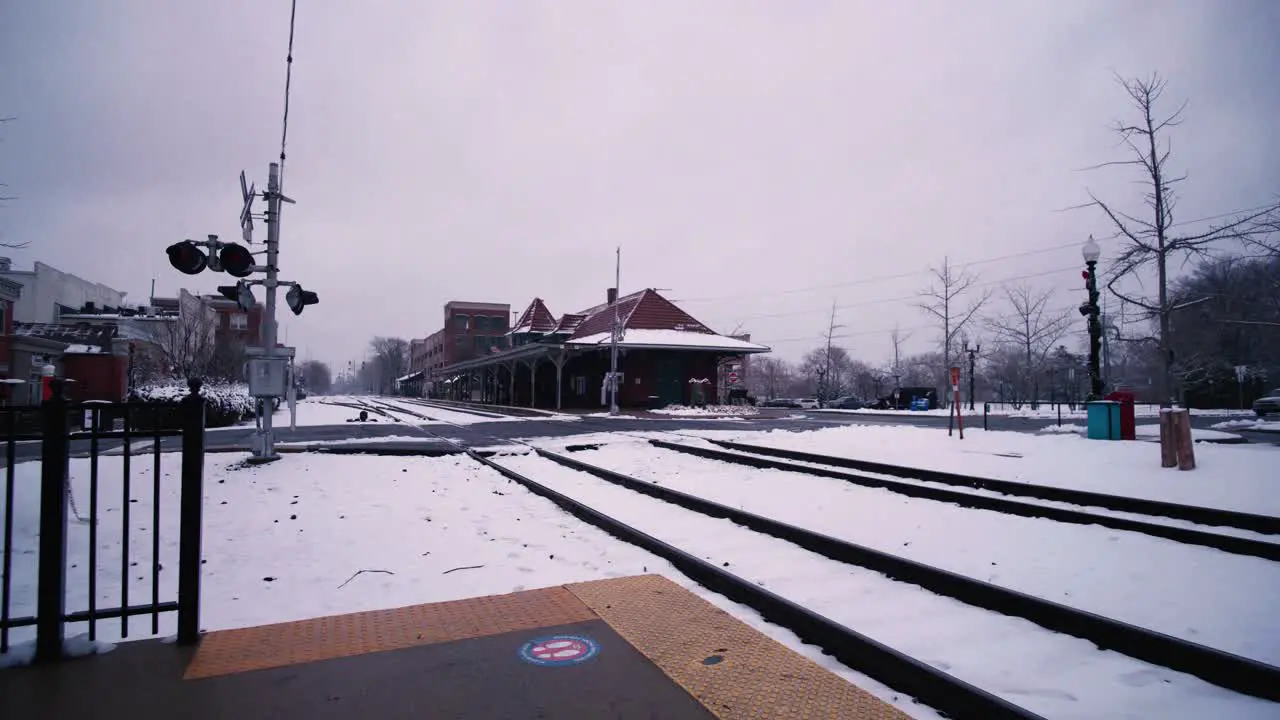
(267, 646)
(755, 677)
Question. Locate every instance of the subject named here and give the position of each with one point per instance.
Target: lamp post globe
(1091, 250)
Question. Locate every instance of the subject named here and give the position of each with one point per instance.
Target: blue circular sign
(559, 650)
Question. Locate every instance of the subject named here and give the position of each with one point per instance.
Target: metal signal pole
(266, 440)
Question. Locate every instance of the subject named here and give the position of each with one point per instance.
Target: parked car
(809, 403)
(901, 398)
(1269, 404)
(780, 403)
(847, 402)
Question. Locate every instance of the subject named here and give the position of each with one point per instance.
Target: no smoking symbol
(559, 650)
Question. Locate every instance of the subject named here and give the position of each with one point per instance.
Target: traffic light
(186, 257)
(236, 260)
(297, 299)
(239, 293)
(1086, 309)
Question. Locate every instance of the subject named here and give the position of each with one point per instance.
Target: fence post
(51, 588)
(986, 408)
(191, 514)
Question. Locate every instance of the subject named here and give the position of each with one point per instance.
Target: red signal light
(236, 260)
(187, 258)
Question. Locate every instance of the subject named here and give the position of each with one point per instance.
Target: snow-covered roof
(76, 349)
(636, 338)
(535, 319)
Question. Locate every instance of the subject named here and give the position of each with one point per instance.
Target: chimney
(5, 264)
(611, 295)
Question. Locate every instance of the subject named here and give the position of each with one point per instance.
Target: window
(580, 385)
(482, 343)
(498, 323)
(481, 323)
(239, 321)
(500, 342)
(462, 322)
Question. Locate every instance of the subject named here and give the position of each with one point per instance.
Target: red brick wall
(97, 376)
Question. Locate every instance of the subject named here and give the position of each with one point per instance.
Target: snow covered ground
(290, 540)
(1148, 431)
(1044, 412)
(1049, 673)
(1125, 575)
(708, 411)
(320, 534)
(1258, 424)
(1235, 477)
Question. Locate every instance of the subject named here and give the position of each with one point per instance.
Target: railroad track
(879, 661)
(1118, 503)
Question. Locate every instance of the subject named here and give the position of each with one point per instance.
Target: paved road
(493, 433)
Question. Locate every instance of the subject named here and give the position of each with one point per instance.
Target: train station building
(665, 357)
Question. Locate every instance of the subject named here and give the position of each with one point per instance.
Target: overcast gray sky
(759, 160)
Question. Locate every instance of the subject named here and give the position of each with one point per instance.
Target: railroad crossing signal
(187, 258)
(298, 299)
(238, 293)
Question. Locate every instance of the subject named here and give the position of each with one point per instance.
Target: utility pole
(826, 374)
(613, 340)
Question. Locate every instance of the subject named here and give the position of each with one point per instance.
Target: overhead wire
(288, 82)
(958, 266)
(888, 331)
(903, 298)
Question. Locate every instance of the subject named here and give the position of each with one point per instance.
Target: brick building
(665, 357)
(470, 330)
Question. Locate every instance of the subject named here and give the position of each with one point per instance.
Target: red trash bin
(1128, 419)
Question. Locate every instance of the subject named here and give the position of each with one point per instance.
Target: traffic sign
(1240, 372)
(733, 378)
(248, 193)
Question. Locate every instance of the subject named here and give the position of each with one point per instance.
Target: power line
(905, 298)
(881, 278)
(288, 81)
(985, 261)
(887, 331)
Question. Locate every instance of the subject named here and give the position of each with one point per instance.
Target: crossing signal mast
(269, 366)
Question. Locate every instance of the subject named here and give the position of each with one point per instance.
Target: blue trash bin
(1103, 420)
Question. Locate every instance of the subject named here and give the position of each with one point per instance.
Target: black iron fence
(89, 431)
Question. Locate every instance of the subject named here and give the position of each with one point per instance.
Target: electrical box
(268, 376)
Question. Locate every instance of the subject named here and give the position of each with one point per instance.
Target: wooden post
(1186, 446)
(1168, 440)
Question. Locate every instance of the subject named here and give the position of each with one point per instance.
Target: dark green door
(668, 384)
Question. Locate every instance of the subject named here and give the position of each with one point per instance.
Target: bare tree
(1150, 240)
(228, 362)
(5, 197)
(829, 369)
(316, 377)
(770, 376)
(186, 342)
(1032, 327)
(897, 338)
(390, 361)
(952, 301)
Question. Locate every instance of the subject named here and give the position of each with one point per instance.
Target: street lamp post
(973, 360)
(1092, 311)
